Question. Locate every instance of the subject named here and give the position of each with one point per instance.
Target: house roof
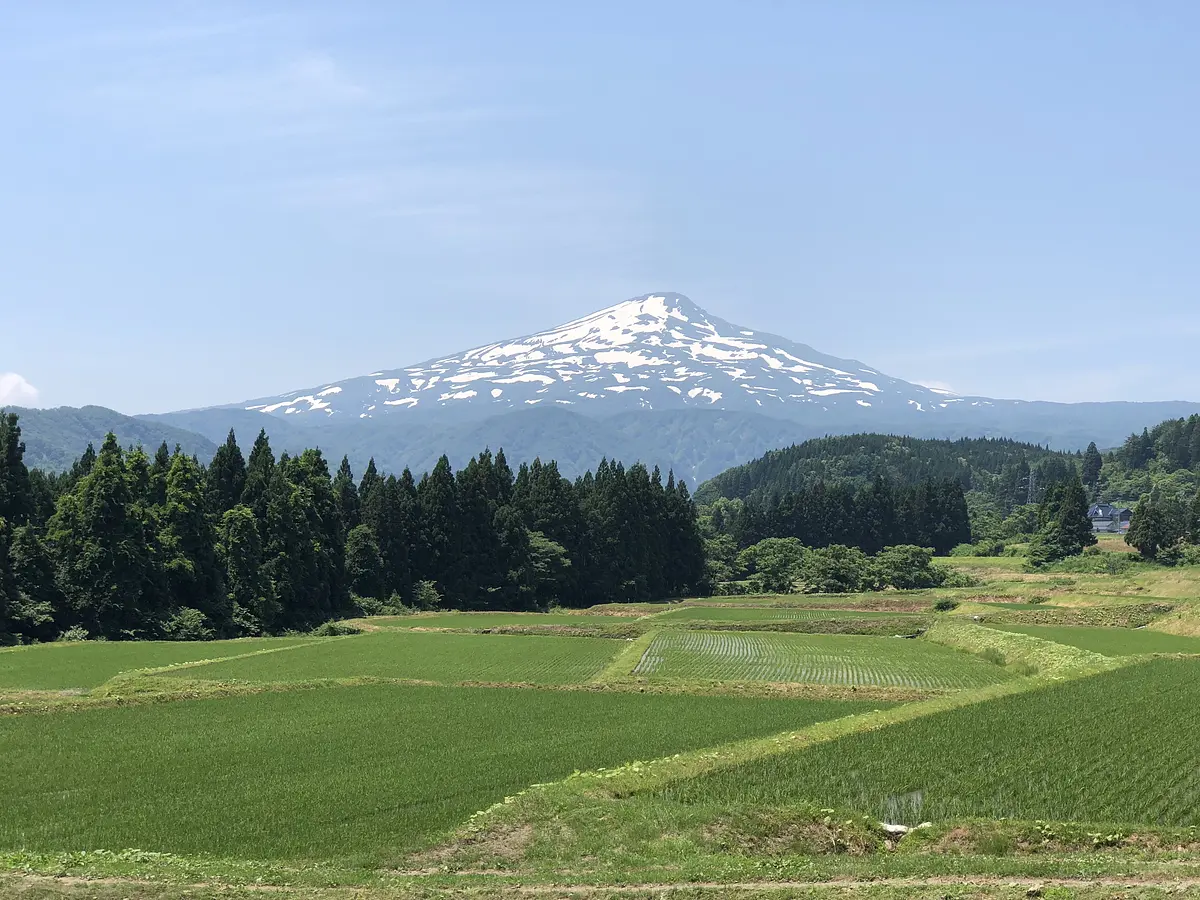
(1107, 511)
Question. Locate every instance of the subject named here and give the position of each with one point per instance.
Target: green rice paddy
(1110, 641)
(1115, 747)
(352, 773)
(813, 658)
(88, 664)
(441, 657)
(490, 620)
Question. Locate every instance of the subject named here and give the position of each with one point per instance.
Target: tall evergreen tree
(226, 476)
(260, 469)
(364, 565)
(10, 628)
(346, 494)
(439, 546)
(38, 602)
(153, 482)
(370, 479)
(253, 606)
(83, 466)
(1148, 532)
(105, 566)
(187, 539)
(16, 493)
(1093, 463)
(1193, 535)
(1064, 528)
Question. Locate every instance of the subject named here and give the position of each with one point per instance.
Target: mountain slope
(655, 379)
(54, 438)
(658, 351)
(696, 444)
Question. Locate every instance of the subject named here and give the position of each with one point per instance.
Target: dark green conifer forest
(125, 546)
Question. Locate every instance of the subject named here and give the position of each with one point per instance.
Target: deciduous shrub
(188, 625)
(335, 629)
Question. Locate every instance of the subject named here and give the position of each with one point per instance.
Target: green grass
(883, 601)
(1118, 747)
(88, 664)
(1011, 604)
(1109, 641)
(488, 620)
(443, 657)
(769, 614)
(813, 658)
(353, 773)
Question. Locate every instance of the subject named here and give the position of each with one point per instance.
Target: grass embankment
(1021, 654)
(480, 621)
(351, 774)
(442, 657)
(754, 614)
(806, 620)
(87, 664)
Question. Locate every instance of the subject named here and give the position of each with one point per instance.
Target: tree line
(127, 546)
(877, 515)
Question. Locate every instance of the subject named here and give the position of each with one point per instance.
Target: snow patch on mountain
(658, 351)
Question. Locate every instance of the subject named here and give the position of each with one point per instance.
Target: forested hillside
(1007, 472)
(54, 438)
(125, 545)
(1158, 473)
(1166, 456)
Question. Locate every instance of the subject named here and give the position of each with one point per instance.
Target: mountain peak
(656, 351)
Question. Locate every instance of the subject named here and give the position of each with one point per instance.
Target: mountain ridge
(655, 351)
(633, 382)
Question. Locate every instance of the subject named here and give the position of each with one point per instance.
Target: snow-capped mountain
(654, 352)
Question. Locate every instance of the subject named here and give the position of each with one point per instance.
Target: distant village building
(1109, 519)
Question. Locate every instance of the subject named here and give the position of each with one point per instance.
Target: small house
(1109, 519)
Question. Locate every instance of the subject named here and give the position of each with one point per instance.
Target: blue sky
(206, 203)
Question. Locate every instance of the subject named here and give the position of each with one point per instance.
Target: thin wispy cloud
(337, 135)
(491, 205)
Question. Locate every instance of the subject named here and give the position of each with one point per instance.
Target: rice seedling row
(813, 658)
(353, 773)
(429, 656)
(1118, 747)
